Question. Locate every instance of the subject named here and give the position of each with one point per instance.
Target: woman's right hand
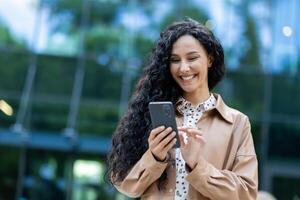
(160, 141)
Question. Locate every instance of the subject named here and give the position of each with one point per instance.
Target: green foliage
(8, 172)
(103, 39)
(98, 119)
(284, 141)
(101, 81)
(285, 92)
(50, 115)
(13, 73)
(69, 13)
(5, 36)
(247, 94)
(282, 185)
(55, 75)
(251, 57)
(8, 40)
(143, 46)
(191, 11)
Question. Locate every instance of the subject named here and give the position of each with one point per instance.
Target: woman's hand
(160, 141)
(193, 149)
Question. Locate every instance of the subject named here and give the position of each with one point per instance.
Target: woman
(217, 159)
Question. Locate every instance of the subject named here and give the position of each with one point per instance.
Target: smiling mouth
(187, 78)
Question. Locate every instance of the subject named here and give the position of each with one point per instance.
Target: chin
(188, 90)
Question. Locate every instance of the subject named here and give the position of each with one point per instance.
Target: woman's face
(189, 65)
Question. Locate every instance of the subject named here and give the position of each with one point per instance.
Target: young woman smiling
(216, 159)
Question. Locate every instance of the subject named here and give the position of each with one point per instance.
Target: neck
(197, 97)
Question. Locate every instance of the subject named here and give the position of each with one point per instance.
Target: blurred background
(68, 68)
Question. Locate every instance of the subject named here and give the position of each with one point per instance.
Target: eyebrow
(189, 53)
(192, 52)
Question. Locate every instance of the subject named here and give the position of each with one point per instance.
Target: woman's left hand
(193, 149)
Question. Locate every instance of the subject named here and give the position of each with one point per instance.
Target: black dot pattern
(191, 116)
(181, 183)
(191, 113)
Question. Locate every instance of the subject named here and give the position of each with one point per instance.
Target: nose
(184, 66)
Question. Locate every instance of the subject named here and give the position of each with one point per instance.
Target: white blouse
(191, 116)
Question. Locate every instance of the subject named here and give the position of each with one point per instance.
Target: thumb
(182, 144)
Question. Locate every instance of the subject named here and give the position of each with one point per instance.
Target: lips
(187, 78)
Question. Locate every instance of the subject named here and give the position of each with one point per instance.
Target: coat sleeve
(238, 183)
(146, 171)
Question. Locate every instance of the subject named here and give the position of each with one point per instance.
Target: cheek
(173, 71)
(202, 67)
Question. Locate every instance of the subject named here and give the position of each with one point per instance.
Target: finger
(191, 133)
(195, 131)
(167, 139)
(181, 132)
(155, 131)
(181, 139)
(162, 135)
(200, 138)
(170, 145)
(188, 133)
(197, 139)
(165, 145)
(182, 128)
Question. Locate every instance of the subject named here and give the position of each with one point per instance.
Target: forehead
(187, 43)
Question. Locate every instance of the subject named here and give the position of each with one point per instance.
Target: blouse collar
(184, 106)
(221, 107)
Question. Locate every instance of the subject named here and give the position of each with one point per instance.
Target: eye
(192, 58)
(174, 60)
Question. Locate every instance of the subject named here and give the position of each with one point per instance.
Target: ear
(210, 61)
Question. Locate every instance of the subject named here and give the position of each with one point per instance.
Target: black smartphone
(162, 114)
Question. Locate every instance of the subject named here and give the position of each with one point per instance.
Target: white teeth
(187, 77)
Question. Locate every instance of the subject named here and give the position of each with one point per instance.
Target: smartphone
(162, 114)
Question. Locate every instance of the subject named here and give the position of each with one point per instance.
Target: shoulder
(230, 114)
(237, 115)
(241, 128)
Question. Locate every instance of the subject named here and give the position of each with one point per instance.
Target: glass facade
(68, 68)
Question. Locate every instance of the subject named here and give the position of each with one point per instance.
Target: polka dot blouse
(191, 116)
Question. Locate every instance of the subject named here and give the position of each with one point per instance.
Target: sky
(20, 18)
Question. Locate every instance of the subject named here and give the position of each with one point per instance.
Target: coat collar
(223, 109)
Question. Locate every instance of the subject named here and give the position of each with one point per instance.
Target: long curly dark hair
(130, 140)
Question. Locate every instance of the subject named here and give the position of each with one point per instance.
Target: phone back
(162, 114)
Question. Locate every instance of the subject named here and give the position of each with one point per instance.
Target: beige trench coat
(227, 170)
